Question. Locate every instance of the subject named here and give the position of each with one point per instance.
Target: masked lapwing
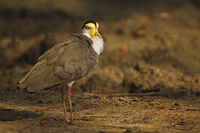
(66, 62)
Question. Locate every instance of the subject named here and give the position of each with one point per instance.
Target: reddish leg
(63, 100)
(70, 102)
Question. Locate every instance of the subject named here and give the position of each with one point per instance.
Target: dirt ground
(147, 79)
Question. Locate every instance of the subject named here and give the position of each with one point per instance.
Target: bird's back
(67, 61)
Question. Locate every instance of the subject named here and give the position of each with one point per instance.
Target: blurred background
(150, 45)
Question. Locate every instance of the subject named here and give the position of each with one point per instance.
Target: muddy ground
(147, 80)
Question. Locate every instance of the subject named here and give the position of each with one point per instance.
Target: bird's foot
(70, 121)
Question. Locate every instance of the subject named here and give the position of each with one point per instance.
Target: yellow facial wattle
(93, 30)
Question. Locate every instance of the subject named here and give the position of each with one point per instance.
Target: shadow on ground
(13, 115)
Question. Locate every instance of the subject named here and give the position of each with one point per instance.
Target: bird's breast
(98, 45)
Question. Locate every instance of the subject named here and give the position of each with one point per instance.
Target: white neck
(97, 42)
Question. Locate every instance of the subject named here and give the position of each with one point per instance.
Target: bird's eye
(88, 28)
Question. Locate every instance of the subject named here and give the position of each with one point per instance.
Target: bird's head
(92, 27)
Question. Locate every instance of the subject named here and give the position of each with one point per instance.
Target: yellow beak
(97, 34)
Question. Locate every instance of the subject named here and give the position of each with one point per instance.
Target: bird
(66, 62)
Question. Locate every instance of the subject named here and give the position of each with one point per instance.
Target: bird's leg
(70, 102)
(64, 106)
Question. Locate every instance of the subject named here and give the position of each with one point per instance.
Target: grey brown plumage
(67, 61)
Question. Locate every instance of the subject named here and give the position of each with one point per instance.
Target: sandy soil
(147, 80)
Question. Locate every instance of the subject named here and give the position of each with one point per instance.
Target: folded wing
(67, 61)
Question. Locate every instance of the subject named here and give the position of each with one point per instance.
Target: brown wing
(70, 60)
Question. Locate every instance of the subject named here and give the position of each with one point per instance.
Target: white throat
(97, 42)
